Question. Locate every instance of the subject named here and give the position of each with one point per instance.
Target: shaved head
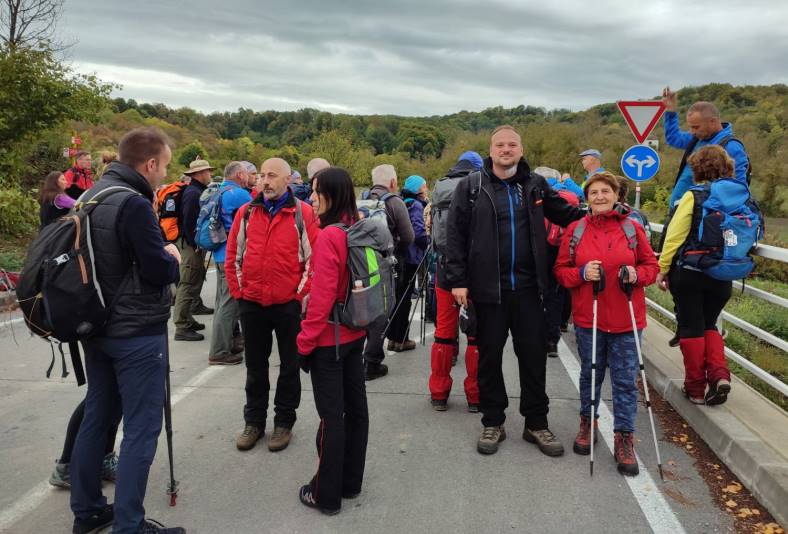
(316, 164)
(274, 178)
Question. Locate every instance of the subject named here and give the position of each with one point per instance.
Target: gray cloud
(422, 57)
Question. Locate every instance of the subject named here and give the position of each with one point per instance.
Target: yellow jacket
(678, 230)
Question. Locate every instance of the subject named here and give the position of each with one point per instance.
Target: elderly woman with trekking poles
(606, 261)
(332, 352)
(707, 246)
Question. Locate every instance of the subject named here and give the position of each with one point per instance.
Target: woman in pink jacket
(337, 375)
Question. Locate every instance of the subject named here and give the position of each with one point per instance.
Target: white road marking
(647, 494)
(36, 496)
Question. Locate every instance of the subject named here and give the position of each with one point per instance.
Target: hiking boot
(545, 440)
(490, 438)
(151, 526)
(280, 439)
(61, 475)
(95, 522)
(718, 392)
(473, 407)
(624, 454)
(391, 344)
(225, 358)
(238, 345)
(582, 443)
(675, 340)
(246, 439)
(184, 334)
(307, 498)
(196, 326)
(694, 400)
(440, 405)
(202, 309)
(552, 350)
(375, 370)
(109, 467)
(408, 344)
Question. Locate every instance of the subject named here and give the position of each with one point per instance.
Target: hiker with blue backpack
(707, 246)
(349, 286)
(604, 242)
(217, 212)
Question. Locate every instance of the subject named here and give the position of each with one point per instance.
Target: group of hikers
(515, 251)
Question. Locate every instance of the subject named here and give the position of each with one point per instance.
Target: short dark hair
(711, 162)
(80, 154)
(336, 186)
(141, 144)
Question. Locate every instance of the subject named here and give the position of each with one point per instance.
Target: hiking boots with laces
(99, 520)
(184, 334)
(280, 439)
(718, 392)
(624, 453)
(490, 438)
(196, 326)
(249, 436)
(202, 309)
(440, 405)
(582, 443)
(552, 350)
(238, 344)
(545, 440)
(225, 358)
(308, 498)
(151, 526)
(109, 467)
(408, 344)
(61, 475)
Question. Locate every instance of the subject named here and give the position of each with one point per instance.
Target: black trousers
(259, 324)
(554, 299)
(699, 299)
(521, 313)
(399, 324)
(341, 401)
(73, 429)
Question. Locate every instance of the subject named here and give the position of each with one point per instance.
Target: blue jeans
(619, 353)
(124, 376)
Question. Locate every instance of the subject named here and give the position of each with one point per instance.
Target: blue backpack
(210, 233)
(726, 224)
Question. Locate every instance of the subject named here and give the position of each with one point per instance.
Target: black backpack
(58, 290)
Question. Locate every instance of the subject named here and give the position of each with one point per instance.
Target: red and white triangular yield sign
(641, 117)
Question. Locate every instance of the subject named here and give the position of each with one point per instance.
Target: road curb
(752, 448)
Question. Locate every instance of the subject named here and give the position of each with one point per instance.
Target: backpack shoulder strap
(475, 188)
(577, 235)
(102, 195)
(299, 217)
(690, 148)
(630, 232)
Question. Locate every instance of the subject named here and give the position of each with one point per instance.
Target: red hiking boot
(583, 440)
(625, 454)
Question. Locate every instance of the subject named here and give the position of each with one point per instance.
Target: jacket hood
(727, 130)
(727, 194)
(124, 173)
(461, 168)
(371, 233)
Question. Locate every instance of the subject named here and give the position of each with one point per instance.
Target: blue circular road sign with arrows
(640, 163)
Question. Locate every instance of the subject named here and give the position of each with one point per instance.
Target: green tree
(190, 152)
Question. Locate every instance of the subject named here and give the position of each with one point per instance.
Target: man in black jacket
(187, 297)
(126, 363)
(497, 259)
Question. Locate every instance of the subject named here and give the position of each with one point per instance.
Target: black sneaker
(552, 350)
(718, 392)
(95, 522)
(202, 309)
(151, 526)
(188, 335)
(376, 370)
(440, 405)
(196, 326)
(308, 498)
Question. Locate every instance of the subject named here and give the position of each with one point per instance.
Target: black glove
(304, 363)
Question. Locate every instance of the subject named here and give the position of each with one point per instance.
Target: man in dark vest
(126, 363)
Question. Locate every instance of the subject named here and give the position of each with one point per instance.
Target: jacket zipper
(512, 227)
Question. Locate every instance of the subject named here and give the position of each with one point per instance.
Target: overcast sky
(422, 57)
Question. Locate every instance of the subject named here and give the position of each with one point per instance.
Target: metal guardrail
(764, 251)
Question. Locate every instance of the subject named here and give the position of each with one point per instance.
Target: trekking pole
(598, 285)
(172, 488)
(626, 287)
(413, 311)
(405, 295)
(424, 285)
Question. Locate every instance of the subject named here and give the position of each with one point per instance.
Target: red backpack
(554, 231)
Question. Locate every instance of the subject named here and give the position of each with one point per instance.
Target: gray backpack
(370, 296)
(441, 200)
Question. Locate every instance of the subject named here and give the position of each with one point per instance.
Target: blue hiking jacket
(568, 185)
(233, 198)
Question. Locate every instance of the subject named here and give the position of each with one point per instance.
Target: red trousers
(445, 348)
(704, 361)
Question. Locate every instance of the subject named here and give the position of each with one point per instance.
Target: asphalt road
(423, 473)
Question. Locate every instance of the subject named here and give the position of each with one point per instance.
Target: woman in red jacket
(609, 241)
(337, 379)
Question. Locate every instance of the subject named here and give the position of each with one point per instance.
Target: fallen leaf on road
(733, 487)
(730, 504)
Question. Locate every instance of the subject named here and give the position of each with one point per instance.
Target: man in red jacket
(79, 178)
(268, 250)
